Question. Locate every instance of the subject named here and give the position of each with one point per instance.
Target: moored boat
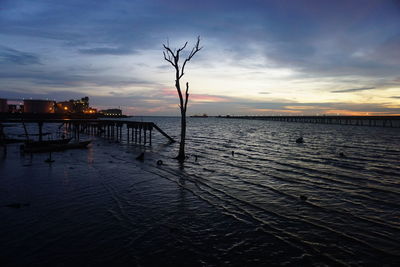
(32, 143)
(55, 147)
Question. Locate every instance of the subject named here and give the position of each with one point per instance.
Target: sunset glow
(264, 57)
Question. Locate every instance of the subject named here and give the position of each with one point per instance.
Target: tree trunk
(181, 154)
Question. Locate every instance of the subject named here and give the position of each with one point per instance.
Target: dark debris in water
(140, 157)
(303, 197)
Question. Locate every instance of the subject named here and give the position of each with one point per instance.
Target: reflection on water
(247, 195)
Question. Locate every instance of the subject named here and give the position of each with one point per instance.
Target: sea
(247, 195)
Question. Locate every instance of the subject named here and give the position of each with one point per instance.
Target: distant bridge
(373, 121)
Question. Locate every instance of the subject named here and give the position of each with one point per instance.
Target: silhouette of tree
(173, 57)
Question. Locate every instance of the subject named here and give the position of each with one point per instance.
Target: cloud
(306, 43)
(396, 97)
(71, 79)
(194, 98)
(156, 103)
(198, 98)
(352, 90)
(389, 51)
(107, 51)
(314, 40)
(305, 107)
(9, 55)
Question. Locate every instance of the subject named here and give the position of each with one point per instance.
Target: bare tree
(173, 57)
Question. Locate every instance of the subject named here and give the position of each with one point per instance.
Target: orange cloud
(194, 97)
(276, 110)
(169, 92)
(206, 98)
(305, 107)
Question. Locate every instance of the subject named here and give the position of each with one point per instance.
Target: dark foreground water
(102, 207)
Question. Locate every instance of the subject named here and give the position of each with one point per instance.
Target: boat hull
(47, 142)
(55, 147)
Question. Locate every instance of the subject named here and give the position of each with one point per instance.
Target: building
(38, 106)
(81, 105)
(75, 106)
(90, 111)
(111, 112)
(3, 105)
(65, 107)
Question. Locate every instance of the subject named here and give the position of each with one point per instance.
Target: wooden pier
(137, 132)
(373, 121)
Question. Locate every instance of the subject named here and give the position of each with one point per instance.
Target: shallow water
(101, 206)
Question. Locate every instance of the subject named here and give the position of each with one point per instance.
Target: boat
(55, 147)
(31, 143)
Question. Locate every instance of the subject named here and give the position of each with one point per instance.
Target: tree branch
(168, 59)
(173, 58)
(183, 47)
(195, 49)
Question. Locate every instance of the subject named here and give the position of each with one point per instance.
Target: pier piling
(137, 132)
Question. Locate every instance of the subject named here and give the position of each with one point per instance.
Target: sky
(259, 57)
